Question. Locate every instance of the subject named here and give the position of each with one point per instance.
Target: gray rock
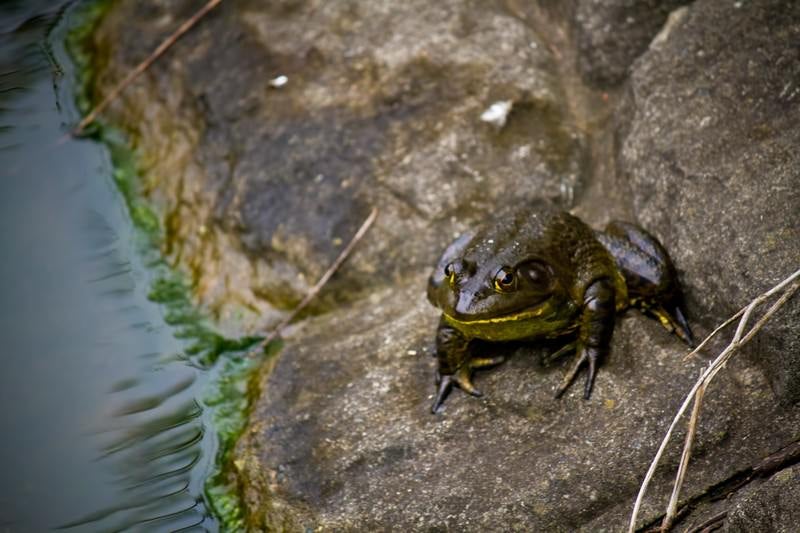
(774, 506)
(708, 156)
(258, 186)
(343, 439)
(611, 34)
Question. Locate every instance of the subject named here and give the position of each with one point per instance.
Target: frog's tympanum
(538, 273)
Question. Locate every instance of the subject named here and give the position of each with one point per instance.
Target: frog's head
(498, 289)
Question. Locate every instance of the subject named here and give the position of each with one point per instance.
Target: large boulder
(343, 439)
(259, 185)
(708, 154)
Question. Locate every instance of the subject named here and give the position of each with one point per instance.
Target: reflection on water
(101, 425)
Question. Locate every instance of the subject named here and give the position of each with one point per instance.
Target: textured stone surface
(258, 187)
(710, 161)
(773, 506)
(611, 34)
(343, 437)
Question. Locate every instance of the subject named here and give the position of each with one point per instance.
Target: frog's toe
(462, 379)
(590, 375)
(682, 327)
(583, 357)
(564, 350)
(673, 320)
(580, 358)
(482, 362)
(445, 385)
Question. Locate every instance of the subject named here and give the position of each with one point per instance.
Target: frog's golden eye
(505, 280)
(450, 272)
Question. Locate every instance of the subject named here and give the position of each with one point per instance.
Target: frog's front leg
(455, 364)
(594, 336)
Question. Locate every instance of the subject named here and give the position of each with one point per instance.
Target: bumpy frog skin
(537, 272)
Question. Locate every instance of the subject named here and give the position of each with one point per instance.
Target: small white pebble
(412, 352)
(497, 113)
(278, 81)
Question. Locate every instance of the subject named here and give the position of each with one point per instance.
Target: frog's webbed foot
(594, 336)
(578, 361)
(584, 356)
(462, 378)
(445, 383)
(673, 320)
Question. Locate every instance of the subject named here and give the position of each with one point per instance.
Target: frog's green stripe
(515, 317)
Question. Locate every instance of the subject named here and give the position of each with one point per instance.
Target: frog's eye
(505, 280)
(451, 271)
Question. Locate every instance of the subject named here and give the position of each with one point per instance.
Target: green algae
(230, 363)
(230, 395)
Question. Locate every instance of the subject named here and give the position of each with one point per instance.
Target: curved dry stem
(739, 340)
(672, 507)
(141, 67)
(312, 293)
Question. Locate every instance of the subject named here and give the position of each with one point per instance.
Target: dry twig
(672, 507)
(141, 67)
(312, 293)
(739, 340)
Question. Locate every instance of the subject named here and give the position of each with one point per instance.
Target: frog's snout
(464, 305)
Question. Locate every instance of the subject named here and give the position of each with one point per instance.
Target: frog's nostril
(469, 267)
(464, 304)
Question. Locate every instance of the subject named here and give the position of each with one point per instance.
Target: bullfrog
(537, 272)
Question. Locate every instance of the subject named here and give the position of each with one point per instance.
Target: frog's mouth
(514, 316)
(543, 320)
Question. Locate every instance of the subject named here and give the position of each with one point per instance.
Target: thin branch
(312, 293)
(141, 67)
(772, 310)
(739, 313)
(722, 326)
(712, 370)
(672, 507)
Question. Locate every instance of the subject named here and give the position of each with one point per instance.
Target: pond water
(101, 420)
